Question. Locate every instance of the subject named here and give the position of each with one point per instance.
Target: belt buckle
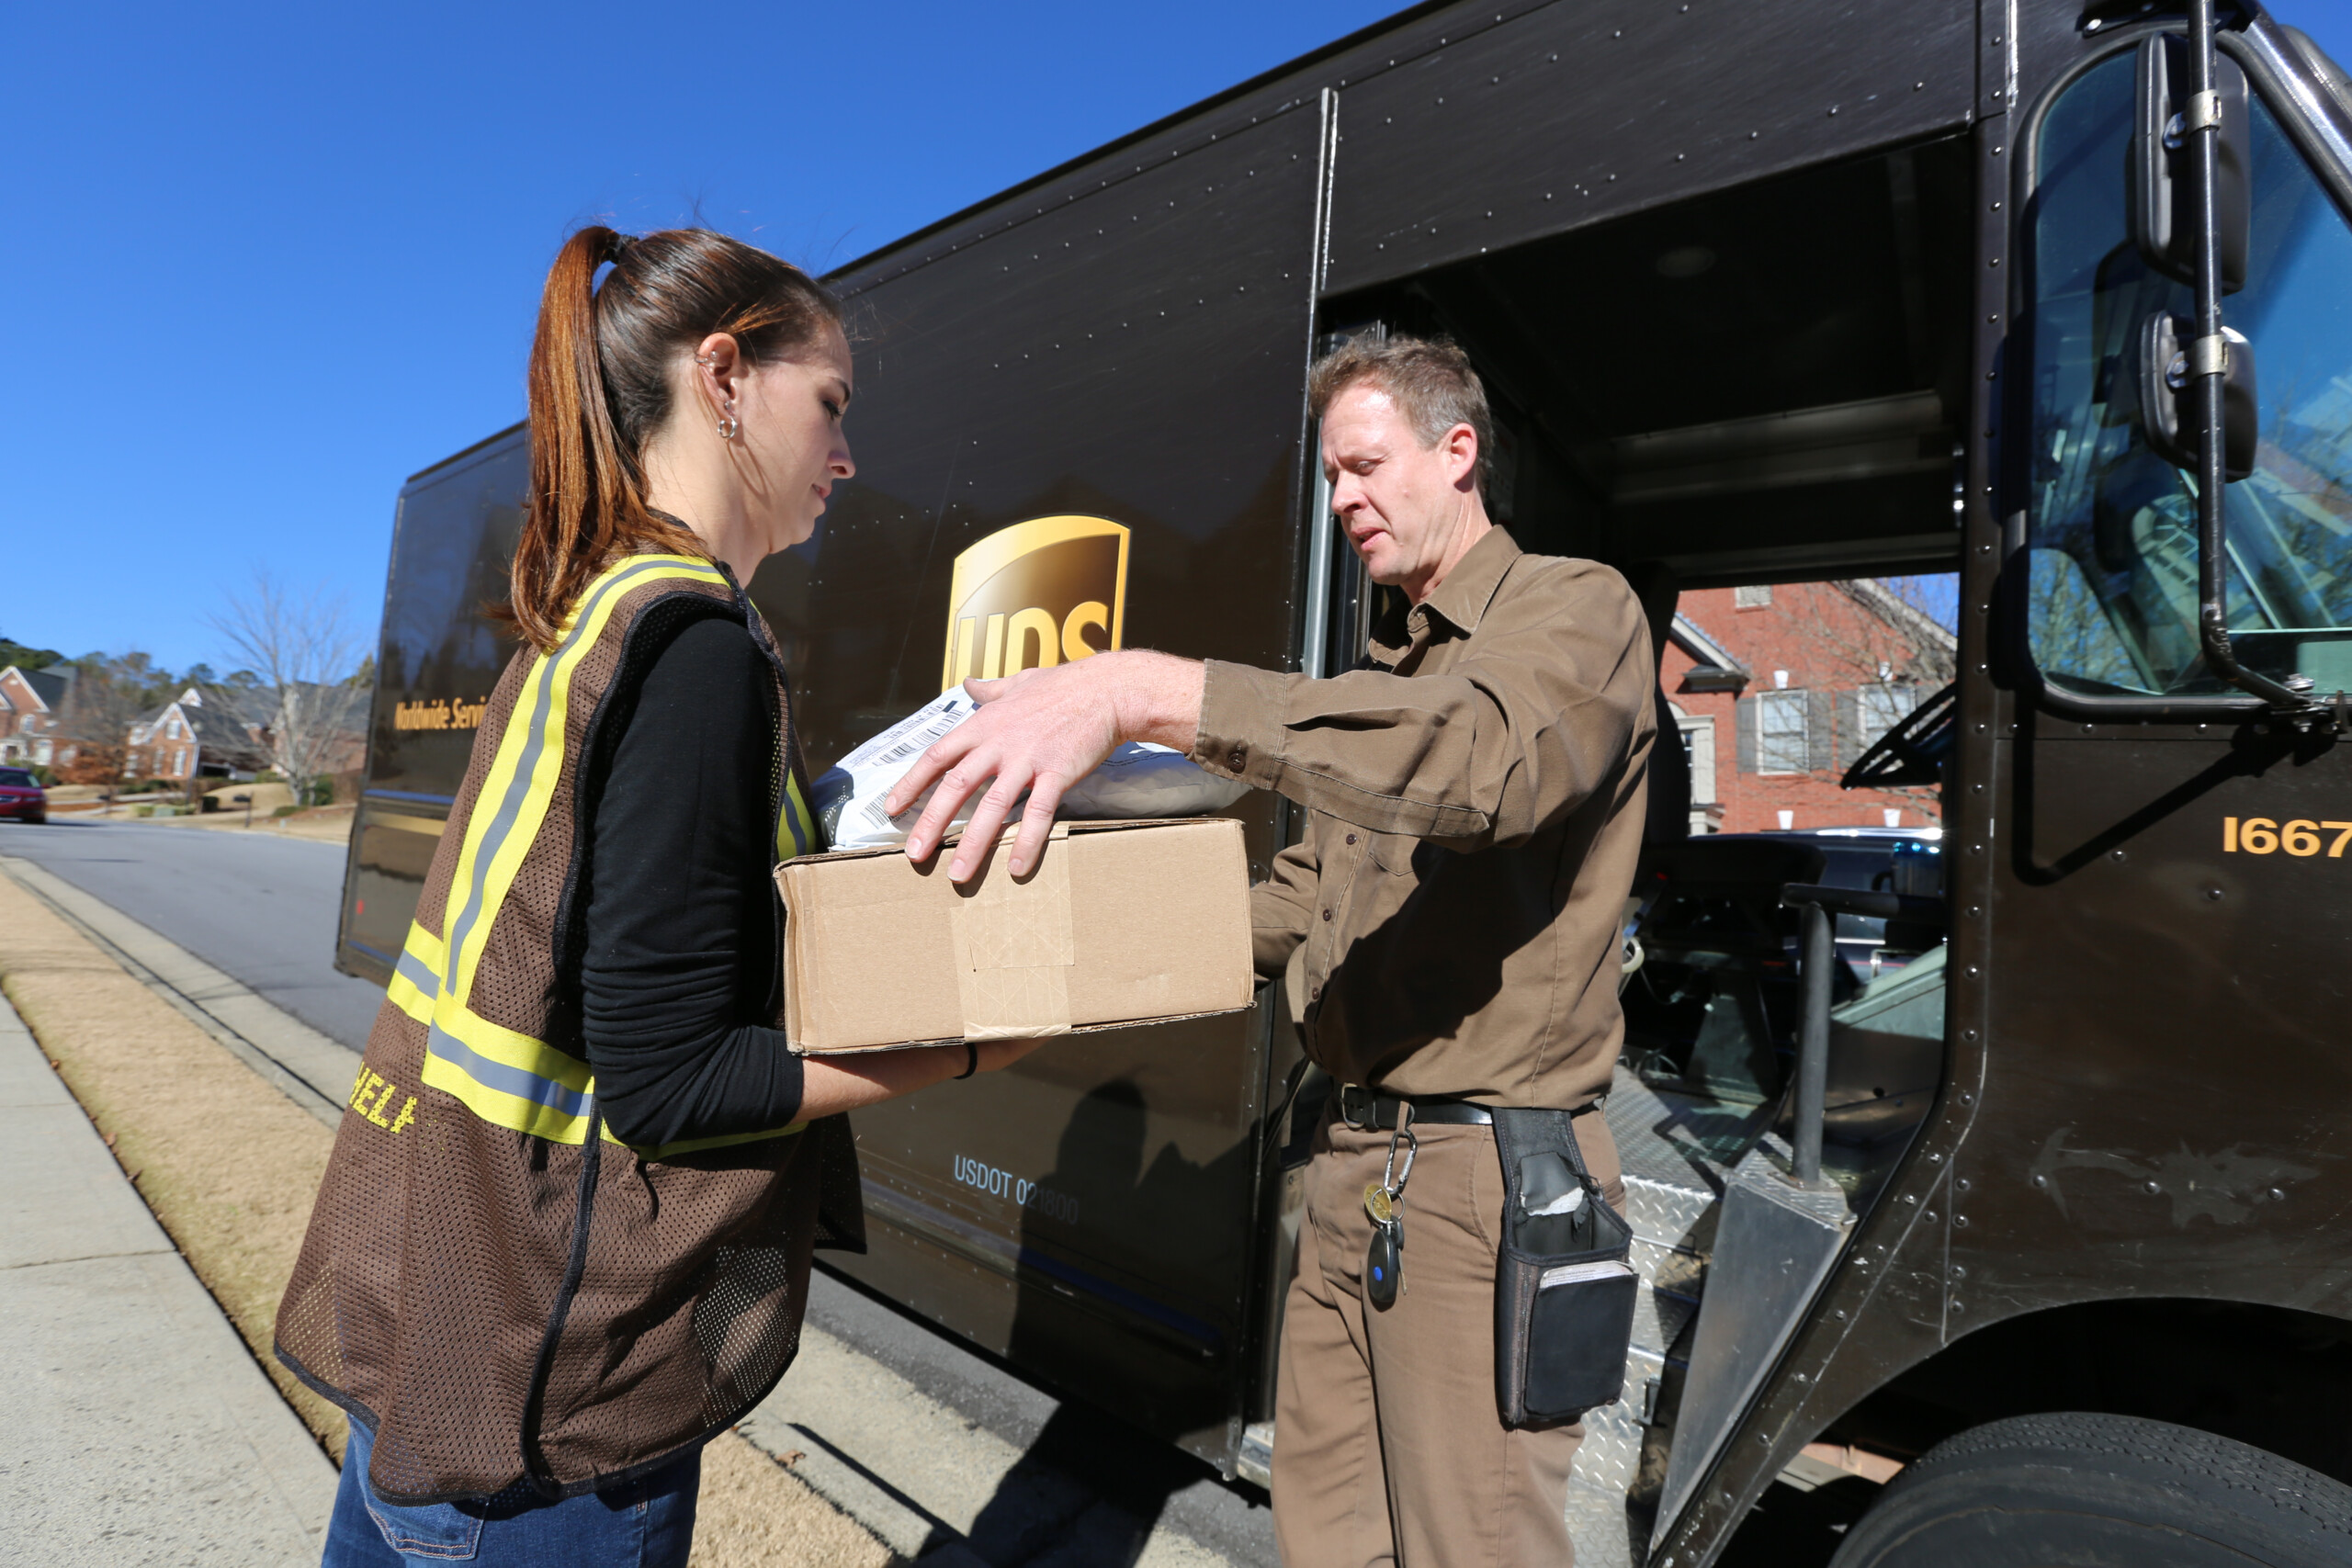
(1359, 1107)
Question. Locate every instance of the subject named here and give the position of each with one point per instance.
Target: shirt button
(1352, 837)
(1314, 993)
(1327, 914)
(1236, 759)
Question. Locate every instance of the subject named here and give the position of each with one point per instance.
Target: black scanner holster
(1559, 1348)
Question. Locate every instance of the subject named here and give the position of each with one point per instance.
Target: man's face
(1403, 504)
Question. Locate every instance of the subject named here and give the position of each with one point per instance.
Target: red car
(20, 797)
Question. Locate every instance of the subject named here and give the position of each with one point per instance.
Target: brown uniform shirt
(1449, 923)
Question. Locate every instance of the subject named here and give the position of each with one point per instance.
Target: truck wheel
(2098, 1490)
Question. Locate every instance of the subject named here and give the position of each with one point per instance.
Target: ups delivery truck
(2052, 297)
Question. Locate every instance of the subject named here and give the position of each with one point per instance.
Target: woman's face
(791, 442)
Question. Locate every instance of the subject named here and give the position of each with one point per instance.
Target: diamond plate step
(1676, 1152)
(1606, 1527)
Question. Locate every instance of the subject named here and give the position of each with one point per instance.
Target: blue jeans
(649, 1523)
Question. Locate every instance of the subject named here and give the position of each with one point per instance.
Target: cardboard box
(1120, 923)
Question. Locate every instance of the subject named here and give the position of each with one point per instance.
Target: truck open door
(2154, 642)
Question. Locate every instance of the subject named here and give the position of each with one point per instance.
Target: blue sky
(267, 260)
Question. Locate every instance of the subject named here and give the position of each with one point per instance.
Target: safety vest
(498, 1288)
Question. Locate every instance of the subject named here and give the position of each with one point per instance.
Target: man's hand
(1042, 730)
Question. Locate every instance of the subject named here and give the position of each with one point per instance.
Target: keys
(1383, 1264)
(1384, 1201)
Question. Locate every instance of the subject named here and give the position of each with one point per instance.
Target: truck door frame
(1904, 1290)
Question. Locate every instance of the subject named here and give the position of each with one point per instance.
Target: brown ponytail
(600, 387)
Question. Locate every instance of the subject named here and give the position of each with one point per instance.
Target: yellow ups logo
(1042, 592)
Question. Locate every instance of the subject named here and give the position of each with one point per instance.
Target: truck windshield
(2112, 526)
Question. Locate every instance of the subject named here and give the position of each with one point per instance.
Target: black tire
(2089, 1491)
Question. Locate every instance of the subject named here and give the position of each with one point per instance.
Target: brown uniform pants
(1387, 1448)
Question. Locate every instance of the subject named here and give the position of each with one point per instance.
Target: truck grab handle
(1820, 953)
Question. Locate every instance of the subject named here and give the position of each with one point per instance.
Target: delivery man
(1448, 928)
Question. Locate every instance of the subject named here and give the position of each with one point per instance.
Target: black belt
(1370, 1112)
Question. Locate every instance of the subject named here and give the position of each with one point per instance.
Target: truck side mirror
(2160, 383)
(2159, 195)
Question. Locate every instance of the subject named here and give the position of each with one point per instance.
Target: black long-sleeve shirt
(679, 958)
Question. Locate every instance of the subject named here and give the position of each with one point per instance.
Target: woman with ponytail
(564, 1236)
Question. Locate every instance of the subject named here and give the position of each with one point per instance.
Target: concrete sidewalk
(134, 1425)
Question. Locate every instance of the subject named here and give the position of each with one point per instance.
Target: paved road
(259, 907)
(262, 909)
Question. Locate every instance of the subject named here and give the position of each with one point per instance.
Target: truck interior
(1765, 385)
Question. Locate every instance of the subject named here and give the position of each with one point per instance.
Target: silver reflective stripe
(505, 1079)
(411, 969)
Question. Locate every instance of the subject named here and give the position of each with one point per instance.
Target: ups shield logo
(1046, 592)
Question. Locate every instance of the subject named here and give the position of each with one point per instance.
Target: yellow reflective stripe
(423, 946)
(545, 694)
(796, 829)
(523, 1115)
(405, 997)
(421, 957)
(416, 974)
(504, 1077)
(500, 1109)
(507, 1078)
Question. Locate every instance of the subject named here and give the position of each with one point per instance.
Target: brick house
(31, 704)
(1777, 691)
(184, 740)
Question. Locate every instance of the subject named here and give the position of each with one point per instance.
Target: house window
(1783, 744)
(1880, 708)
(1758, 597)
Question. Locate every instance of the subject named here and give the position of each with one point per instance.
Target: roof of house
(1692, 639)
(49, 686)
(218, 730)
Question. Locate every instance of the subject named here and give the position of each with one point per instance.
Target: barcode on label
(905, 749)
(906, 738)
(875, 815)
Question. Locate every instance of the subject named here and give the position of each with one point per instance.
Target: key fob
(1383, 1265)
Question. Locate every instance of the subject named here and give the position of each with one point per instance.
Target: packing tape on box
(1013, 949)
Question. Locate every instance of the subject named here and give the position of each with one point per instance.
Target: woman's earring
(728, 427)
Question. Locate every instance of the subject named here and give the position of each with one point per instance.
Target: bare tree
(304, 709)
(1891, 641)
(109, 694)
(1891, 629)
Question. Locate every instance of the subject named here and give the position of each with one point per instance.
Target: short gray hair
(1430, 380)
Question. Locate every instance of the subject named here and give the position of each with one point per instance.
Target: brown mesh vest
(504, 1294)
